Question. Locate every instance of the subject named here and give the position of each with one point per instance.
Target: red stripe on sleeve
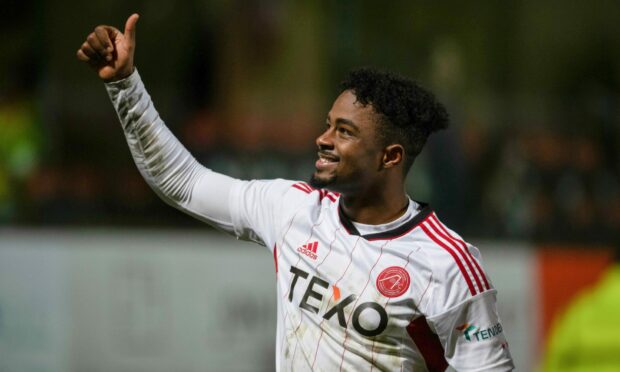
(464, 256)
(462, 243)
(322, 194)
(275, 257)
(428, 343)
(299, 187)
(472, 290)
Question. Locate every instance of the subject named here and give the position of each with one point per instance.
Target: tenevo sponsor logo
(474, 333)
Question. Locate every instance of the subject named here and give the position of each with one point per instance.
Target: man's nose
(325, 139)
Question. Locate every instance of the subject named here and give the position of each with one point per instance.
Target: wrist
(124, 80)
(122, 75)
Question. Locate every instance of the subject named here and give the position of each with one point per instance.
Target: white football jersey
(407, 295)
(411, 298)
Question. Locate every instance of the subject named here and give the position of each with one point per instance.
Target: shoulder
(317, 194)
(284, 193)
(261, 208)
(456, 265)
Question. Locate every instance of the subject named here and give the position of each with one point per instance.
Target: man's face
(349, 151)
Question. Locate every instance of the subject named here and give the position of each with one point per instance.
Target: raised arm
(170, 170)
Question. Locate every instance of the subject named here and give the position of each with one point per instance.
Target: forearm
(170, 170)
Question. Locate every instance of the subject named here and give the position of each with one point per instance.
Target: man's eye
(344, 131)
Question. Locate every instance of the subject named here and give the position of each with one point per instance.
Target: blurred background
(97, 274)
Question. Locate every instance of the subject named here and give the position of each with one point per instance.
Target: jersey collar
(397, 232)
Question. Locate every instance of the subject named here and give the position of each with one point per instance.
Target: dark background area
(532, 88)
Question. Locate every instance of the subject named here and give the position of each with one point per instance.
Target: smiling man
(366, 277)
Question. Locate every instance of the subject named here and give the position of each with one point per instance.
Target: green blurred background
(532, 87)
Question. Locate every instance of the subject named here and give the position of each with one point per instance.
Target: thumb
(130, 28)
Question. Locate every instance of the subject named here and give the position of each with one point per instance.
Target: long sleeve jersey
(407, 295)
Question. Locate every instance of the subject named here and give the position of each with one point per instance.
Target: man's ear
(393, 155)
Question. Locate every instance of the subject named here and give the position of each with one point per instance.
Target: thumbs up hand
(109, 51)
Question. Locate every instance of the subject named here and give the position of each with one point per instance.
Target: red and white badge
(393, 281)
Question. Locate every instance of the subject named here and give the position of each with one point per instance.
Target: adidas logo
(309, 249)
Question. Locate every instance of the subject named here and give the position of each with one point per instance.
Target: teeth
(326, 159)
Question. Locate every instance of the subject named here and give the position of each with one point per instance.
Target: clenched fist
(109, 51)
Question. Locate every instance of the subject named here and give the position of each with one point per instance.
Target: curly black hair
(408, 113)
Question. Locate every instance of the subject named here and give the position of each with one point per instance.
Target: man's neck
(376, 208)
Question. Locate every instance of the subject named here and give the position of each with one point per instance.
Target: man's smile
(326, 161)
